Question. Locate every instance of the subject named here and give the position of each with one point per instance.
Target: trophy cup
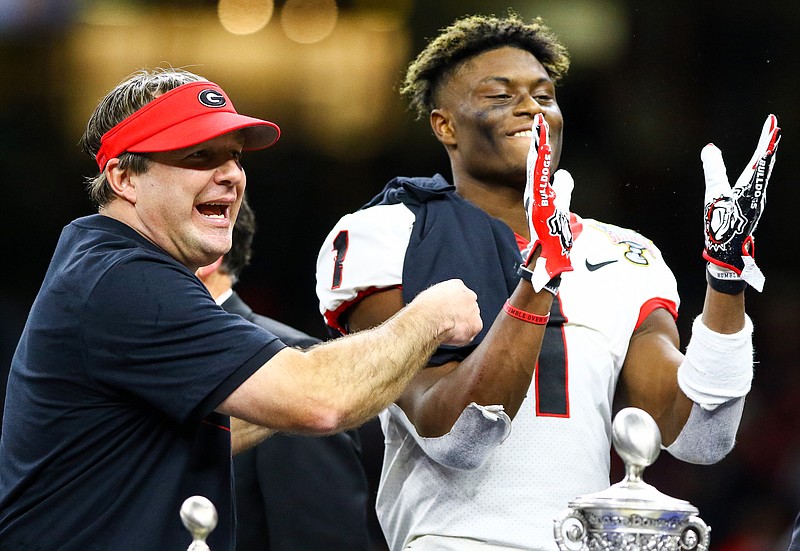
(631, 515)
(199, 516)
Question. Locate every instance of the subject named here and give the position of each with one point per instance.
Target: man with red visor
(127, 372)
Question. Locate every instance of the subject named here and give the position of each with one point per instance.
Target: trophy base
(578, 530)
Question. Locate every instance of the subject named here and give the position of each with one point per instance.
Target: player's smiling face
(491, 101)
(188, 200)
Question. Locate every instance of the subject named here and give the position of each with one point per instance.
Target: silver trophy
(199, 516)
(631, 515)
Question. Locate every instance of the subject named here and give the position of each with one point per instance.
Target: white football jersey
(548, 459)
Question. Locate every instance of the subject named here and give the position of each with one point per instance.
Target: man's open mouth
(213, 210)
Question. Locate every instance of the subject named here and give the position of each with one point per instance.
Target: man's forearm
(334, 386)
(343, 383)
(245, 435)
(381, 362)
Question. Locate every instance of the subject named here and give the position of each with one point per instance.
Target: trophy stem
(634, 473)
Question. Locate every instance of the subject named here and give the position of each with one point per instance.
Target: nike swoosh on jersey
(592, 267)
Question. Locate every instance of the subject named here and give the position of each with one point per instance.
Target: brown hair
(127, 97)
(473, 35)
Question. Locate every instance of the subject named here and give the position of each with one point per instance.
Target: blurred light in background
(308, 21)
(244, 16)
(329, 69)
(384, 15)
(316, 69)
(596, 31)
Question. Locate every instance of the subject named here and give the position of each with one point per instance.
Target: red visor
(185, 116)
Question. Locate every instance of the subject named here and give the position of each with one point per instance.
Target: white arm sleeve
(474, 436)
(717, 368)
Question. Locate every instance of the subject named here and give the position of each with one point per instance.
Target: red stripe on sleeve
(332, 317)
(653, 304)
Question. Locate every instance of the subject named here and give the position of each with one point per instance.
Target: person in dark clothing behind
(292, 492)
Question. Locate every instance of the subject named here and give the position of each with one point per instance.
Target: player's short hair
(133, 93)
(473, 35)
(238, 258)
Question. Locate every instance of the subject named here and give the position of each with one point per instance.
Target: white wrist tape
(473, 438)
(708, 436)
(717, 367)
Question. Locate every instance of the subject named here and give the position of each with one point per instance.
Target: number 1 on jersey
(552, 373)
(340, 244)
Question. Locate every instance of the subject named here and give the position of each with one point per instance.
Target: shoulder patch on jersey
(637, 244)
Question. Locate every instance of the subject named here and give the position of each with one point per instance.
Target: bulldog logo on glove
(723, 220)
(559, 226)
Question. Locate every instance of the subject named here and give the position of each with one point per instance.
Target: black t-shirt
(109, 421)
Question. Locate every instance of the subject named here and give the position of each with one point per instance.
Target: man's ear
(203, 272)
(120, 181)
(442, 126)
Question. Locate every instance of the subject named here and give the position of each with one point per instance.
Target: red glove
(547, 209)
(732, 214)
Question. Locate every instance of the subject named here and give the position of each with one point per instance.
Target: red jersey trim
(216, 425)
(653, 304)
(332, 316)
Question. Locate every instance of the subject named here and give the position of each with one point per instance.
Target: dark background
(682, 73)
